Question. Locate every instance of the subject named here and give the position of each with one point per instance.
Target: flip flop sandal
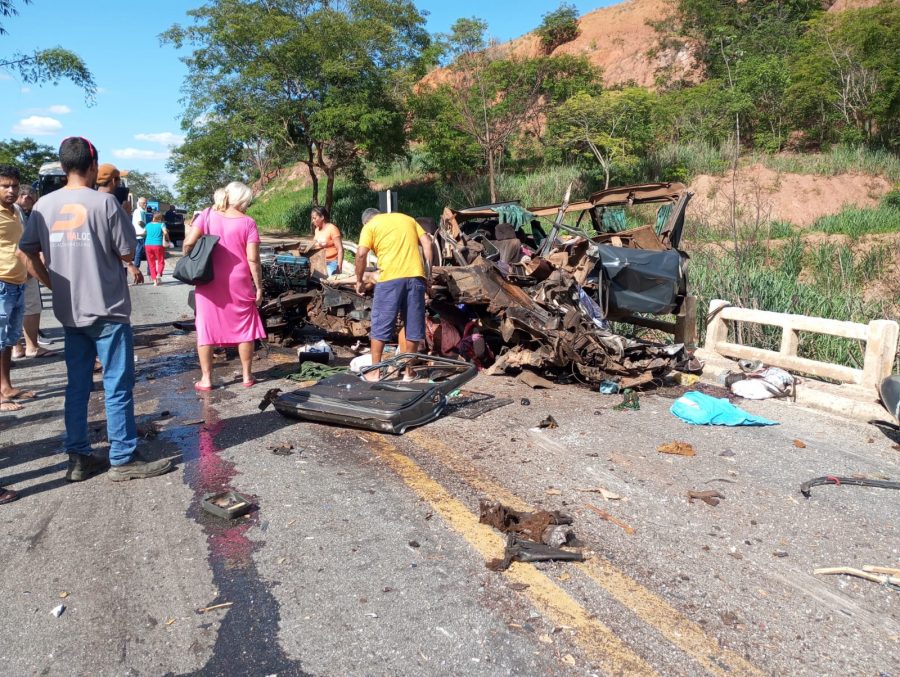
(42, 352)
(202, 389)
(24, 395)
(7, 495)
(9, 405)
(250, 383)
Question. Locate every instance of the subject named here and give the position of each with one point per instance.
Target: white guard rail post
(880, 337)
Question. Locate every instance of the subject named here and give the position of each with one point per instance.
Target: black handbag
(196, 267)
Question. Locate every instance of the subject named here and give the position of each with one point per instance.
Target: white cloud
(37, 125)
(25, 90)
(59, 109)
(140, 154)
(5, 76)
(163, 138)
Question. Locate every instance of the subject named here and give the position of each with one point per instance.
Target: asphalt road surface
(365, 555)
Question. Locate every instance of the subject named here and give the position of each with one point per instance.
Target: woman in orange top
(328, 235)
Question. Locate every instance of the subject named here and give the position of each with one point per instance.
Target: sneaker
(84, 466)
(137, 469)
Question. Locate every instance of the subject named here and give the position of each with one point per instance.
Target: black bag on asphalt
(196, 266)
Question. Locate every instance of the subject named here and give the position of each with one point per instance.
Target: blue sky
(137, 113)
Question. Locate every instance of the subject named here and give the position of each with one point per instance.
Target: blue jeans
(113, 343)
(12, 311)
(331, 267)
(139, 253)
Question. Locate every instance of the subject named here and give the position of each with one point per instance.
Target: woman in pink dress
(227, 313)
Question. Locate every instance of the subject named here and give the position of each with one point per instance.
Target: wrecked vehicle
(510, 293)
(391, 404)
(544, 298)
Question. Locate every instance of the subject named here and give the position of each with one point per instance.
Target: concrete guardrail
(880, 337)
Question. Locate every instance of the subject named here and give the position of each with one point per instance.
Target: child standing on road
(157, 239)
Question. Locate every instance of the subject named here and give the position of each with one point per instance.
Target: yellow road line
(597, 641)
(648, 606)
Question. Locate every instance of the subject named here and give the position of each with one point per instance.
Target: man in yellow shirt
(13, 274)
(395, 240)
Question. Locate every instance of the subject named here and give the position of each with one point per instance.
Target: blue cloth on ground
(701, 409)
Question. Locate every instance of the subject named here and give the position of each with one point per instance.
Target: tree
(558, 27)
(844, 76)
(149, 185)
(614, 127)
(315, 81)
(47, 65)
(27, 155)
(487, 98)
(209, 158)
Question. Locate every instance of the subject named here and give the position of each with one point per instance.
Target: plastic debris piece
(525, 402)
(63, 594)
(677, 449)
(520, 550)
(630, 400)
(58, 610)
(609, 387)
(800, 444)
(701, 409)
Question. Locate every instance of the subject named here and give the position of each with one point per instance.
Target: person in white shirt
(139, 221)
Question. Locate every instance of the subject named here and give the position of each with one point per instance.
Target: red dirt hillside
(618, 38)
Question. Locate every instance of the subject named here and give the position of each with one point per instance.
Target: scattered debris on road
(57, 611)
(701, 409)
(549, 423)
(521, 550)
(710, 496)
(610, 518)
(207, 609)
(531, 525)
(534, 381)
(799, 444)
(677, 449)
(227, 504)
(806, 487)
(284, 449)
(630, 400)
(605, 493)
(887, 576)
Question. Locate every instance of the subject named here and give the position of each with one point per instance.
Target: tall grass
(824, 281)
(855, 221)
(836, 160)
(683, 161)
(288, 209)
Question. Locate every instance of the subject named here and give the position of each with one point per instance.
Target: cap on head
(106, 173)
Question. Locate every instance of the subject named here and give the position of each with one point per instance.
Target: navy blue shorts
(404, 296)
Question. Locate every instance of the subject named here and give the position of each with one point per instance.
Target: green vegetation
(826, 281)
(558, 27)
(855, 221)
(48, 66)
(313, 82)
(838, 159)
(27, 155)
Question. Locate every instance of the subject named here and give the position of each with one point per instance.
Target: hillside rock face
(618, 39)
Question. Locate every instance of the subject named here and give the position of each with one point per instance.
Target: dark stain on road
(247, 641)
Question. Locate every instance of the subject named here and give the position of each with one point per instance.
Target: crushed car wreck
(509, 293)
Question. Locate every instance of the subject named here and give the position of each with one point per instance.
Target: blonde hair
(220, 202)
(235, 194)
